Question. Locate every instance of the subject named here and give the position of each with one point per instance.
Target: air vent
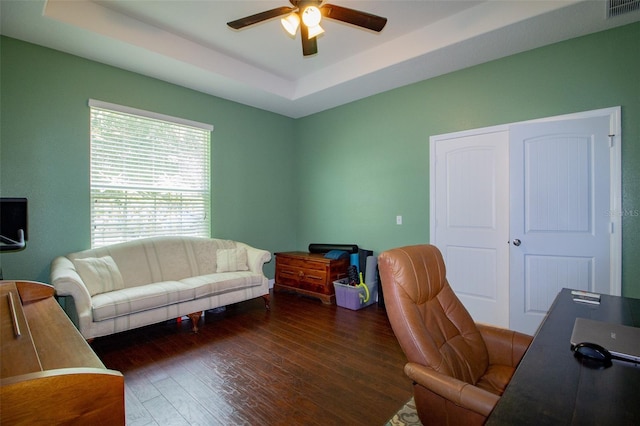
(620, 7)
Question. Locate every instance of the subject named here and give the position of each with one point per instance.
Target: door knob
(516, 242)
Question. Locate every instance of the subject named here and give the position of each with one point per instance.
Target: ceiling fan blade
(355, 17)
(259, 17)
(309, 46)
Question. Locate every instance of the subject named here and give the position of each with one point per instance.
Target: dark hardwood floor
(302, 363)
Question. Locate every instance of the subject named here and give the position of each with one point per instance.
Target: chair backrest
(431, 324)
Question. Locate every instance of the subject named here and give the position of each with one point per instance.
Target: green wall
(45, 153)
(340, 176)
(362, 164)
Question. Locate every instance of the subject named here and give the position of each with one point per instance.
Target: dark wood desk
(552, 387)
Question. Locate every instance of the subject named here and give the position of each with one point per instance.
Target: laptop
(622, 341)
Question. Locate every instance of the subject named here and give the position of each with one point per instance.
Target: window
(149, 175)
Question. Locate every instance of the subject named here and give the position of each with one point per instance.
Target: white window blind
(149, 175)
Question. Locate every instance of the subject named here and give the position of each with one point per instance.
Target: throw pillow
(100, 274)
(231, 260)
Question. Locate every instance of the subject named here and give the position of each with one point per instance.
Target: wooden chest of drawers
(310, 274)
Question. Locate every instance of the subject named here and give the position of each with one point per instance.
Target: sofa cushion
(100, 274)
(136, 299)
(231, 260)
(212, 284)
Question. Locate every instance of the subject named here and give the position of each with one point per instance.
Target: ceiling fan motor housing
(301, 4)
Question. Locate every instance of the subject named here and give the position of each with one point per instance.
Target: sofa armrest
(460, 393)
(256, 258)
(67, 282)
(505, 347)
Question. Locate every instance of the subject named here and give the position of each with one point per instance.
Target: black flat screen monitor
(13, 216)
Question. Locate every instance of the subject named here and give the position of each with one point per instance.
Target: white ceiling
(187, 42)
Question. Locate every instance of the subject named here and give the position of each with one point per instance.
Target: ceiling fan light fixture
(311, 16)
(307, 14)
(315, 31)
(291, 23)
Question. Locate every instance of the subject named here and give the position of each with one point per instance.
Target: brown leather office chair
(459, 368)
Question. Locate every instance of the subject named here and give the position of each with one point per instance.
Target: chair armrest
(67, 282)
(256, 258)
(505, 347)
(460, 393)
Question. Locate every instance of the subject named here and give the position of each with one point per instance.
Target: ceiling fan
(307, 15)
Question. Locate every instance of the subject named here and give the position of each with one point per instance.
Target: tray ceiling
(188, 43)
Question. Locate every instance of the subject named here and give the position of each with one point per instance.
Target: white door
(470, 185)
(557, 191)
(560, 226)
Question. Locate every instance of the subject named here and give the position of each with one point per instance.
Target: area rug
(406, 416)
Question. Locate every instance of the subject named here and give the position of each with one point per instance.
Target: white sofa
(141, 282)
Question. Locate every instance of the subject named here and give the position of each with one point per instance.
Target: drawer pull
(14, 316)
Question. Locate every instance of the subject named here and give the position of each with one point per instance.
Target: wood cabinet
(50, 374)
(310, 274)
